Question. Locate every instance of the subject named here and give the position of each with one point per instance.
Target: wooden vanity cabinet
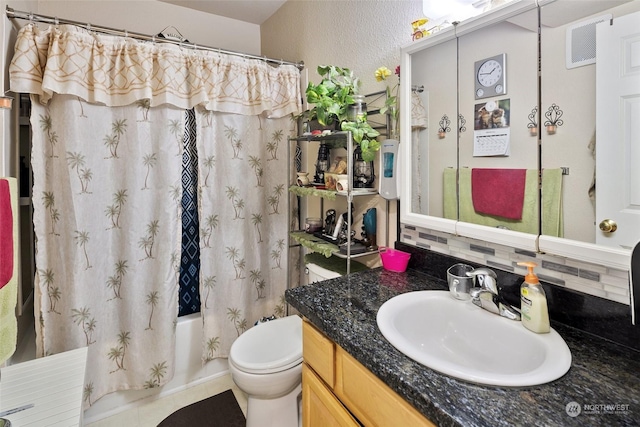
(338, 391)
(320, 407)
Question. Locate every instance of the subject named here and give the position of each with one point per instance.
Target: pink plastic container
(393, 259)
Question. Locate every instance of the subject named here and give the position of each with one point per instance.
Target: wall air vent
(581, 41)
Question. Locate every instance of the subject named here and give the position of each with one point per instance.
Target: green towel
(552, 216)
(450, 194)
(551, 203)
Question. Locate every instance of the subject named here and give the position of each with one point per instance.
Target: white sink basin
(464, 341)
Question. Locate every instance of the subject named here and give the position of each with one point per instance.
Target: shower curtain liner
(189, 293)
(110, 130)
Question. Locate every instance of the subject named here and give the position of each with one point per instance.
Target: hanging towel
(6, 234)
(8, 267)
(418, 113)
(552, 224)
(450, 193)
(530, 220)
(498, 192)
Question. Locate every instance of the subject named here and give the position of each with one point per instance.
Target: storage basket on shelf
(393, 259)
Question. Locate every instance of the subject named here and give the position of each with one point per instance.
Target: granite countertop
(602, 372)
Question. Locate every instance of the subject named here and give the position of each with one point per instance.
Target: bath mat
(221, 410)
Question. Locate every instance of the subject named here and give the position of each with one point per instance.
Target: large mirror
(431, 101)
(583, 53)
(434, 140)
(566, 222)
(498, 156)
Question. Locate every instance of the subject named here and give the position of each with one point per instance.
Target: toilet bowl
(266, 363)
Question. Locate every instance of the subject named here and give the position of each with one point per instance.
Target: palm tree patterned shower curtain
(243, 232)
(106, 197)
(108, 117)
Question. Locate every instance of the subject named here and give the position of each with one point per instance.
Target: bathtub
(188, 372)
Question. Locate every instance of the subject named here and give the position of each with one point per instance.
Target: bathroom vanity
(350, 364)
(333, 383)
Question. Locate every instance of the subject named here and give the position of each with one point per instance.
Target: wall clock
(491, 76)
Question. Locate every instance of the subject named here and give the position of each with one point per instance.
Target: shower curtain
(106, 200)
(243, 201)
(108, 119)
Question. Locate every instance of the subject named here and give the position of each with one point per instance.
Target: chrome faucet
(486, 295)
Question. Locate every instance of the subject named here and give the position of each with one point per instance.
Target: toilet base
(282, 411)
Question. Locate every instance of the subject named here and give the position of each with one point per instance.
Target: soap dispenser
(533, 302)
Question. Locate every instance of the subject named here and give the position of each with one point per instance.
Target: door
(618, 132)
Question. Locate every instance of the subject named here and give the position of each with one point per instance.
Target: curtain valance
(117, 71)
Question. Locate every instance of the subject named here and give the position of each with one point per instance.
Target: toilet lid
(269, 347)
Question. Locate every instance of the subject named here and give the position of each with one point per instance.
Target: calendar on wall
(491, 133)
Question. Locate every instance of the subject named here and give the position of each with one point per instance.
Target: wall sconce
(461, 123)
(553, 115)
(444, 127)
(533, 125)
(6, 102)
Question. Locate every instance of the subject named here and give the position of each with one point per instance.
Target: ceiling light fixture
(439, 11)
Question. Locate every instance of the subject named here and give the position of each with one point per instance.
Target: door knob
(608, 226)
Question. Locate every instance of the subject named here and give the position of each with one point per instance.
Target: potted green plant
(331, 99)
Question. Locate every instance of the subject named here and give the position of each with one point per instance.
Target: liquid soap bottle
(533, 302)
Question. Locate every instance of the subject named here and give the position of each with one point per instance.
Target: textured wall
(358, 34)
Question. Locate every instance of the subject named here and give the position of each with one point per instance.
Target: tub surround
(602, 372)
(189, 373)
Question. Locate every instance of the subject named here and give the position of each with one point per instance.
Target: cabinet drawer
(370, 399)
(318, 352)
(320, 408)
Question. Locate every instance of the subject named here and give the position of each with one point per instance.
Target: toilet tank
(319, 267)
(318, 274)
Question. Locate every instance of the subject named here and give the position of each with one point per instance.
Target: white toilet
(266, 363)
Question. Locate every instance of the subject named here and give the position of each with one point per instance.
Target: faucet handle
(486, 279)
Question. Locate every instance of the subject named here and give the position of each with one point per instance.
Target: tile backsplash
(608, 283)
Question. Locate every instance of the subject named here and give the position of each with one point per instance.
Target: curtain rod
(16, 14)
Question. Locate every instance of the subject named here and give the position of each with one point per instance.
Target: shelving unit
(316, 244)
(380, 122)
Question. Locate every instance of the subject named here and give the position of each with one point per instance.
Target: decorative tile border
(611, 284)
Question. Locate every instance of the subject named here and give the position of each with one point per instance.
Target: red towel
(498, 192)
(6, 234)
